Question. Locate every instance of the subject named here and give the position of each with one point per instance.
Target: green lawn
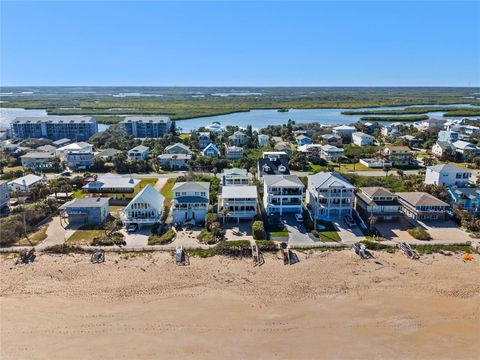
(167, 191)
(78, 194)
(329, 234)
(34, 238)
(148, 181)
(317, 168)
(12, 168)
(356, 167)
(279, 233)
(85, 235)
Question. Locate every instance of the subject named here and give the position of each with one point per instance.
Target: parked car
(299, 218)
(132, 228)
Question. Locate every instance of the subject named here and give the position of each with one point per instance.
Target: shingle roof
(38, 155)
(371, 192)
(112, 181)
(180, 145)
(139, 148)
(108, 152)
(273, 166)
(283, 180)
(398, 148)
(29, 179)
(464, 145)
(329, 179)
(175, 156)
(444, 145)
(420, 199)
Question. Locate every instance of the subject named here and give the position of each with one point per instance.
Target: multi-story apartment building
(190, 201)
(38, 161)
(282, 194)
(238, 202)
(78, 128)
(146, 208)
(376, 204)
(422, 206)
(329, 195)
(447, 175)
(147, 126)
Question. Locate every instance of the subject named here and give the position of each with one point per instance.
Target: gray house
(86, 210)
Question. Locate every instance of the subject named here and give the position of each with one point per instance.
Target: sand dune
(330, 305)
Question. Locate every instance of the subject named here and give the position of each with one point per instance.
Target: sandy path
(330, 305)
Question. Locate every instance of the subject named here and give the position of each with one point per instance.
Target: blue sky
(381, 43)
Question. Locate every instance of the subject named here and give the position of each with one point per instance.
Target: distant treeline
(418, 110)
(395, 118)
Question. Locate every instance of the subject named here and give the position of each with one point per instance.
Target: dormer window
(282, 168)
(266, 168)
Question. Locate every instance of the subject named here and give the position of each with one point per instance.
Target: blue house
(92, 210)
(211, 151)
(466, 198)
(303, 140)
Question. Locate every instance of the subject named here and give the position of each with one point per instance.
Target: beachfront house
(120, 189)
(329, 195)
(190, 202)
(145, 208)
(331, 153)
(211, 151)
(466, 198)
(282, 194)
(39, 161)
(447, 175)
(375, 204)
(263, 140)
(361, 139)
(422, 206)
(93, 210)
(25, 183)
(233, 152)
(174, 161)
(238, 138)
(139, 152)
(177, 148)
(238, 202)
(236, 177)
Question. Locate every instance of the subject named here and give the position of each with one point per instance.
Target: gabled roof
(62, 141)
(28, 180)
(180, 156)
(397, 148)
(468, 193)
(184, 148)
(444, 145)
(150, 196)
(38, 155)
(326, 180)
(361, 134)
(76, 146)
(420, 199)
(331, 148)
(344, 127)
(108, 153)
(377, 191)
(191, 186)
(235, 171)
(301, 137)
(446, 168)
(46, 148)
(273, 166)
(139, 148)
(464, 145)
(283, 180)
(239, 192)
(211, 146)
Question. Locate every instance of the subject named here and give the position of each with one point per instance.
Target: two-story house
(345, 131)
(238, 202)
(282, 194)
(303, 140)
(443, 150)
(238, 138)
(139, 152)
(177, 148)
(263, 140)
(448, 136)
(236, 177)
(25, 183)
(203, 139)
(80, 159)
(329, 195)
(174, 161)
(233, 152)
(466, 198)
(361, 139)
(376, 204)
(398, 155)
(92, 210)
(211, 151)
(331, 153)
(146, 208)
(38, 161)
(447, 175)
(190, 201)
(466, 150)
(273, 165)
(422, 206)
(331, 139)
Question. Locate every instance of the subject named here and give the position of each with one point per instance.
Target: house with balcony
(447, 175)
(174, 161)
(211, 151)
(361, 139)
(203, 139)
(263, 140)
(237, 202)
(120, 189)
(145, 209)
(303, 140)
(238, 138)
(236, 177)
(138, 153)
(177, 148)
(38, 161)
(93, 210)
(398, 155)
(190, 202)
(74, 147)
(375, 204)
(466, 198)
(233, 152)
(331, 153)
(331, 139)
(282, 194)
(79, 159)
(329, 196)
(422, 206)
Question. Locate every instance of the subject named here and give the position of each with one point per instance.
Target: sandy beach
(330, 305)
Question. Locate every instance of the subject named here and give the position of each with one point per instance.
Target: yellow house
(120, 189)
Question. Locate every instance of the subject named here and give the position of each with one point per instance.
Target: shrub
(419, 233)
(371, 245)
(210, 218)
(166, 210)
(166, 238)
(206, 237)
(258, 230)
(266, 245)
(234, 248)
(63, 249)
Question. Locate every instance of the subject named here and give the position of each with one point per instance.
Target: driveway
(445, 231)
(347, 234)
(240, 231)
(395, 230)
(298, 234)
(138, 238)
(57, 234)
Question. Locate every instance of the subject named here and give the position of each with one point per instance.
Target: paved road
(136, 176)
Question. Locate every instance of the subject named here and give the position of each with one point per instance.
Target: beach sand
(330, 305)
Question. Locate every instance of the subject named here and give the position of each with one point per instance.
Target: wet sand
(330, 305)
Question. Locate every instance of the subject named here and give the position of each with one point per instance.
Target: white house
(238, 138)
(236, 176)
(442, 149)
(361, 139)
(466, 149)
(139, 152)
(449, 136)
(174, 161)
(215, 127)
(177, 148)
(25, 183)
(432, 124)
(344, 130)
(190, 201)
(329, 195)
(263, 140)
(282, 194)
(238, 202)
(4, 194)
(233, 152)
(447, 175)
(146, 208)
(331, 153)
(74, 147)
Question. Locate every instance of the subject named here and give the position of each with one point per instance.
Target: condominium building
(282, 194)
(147, 126)
(78, 128)
(329, 195)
